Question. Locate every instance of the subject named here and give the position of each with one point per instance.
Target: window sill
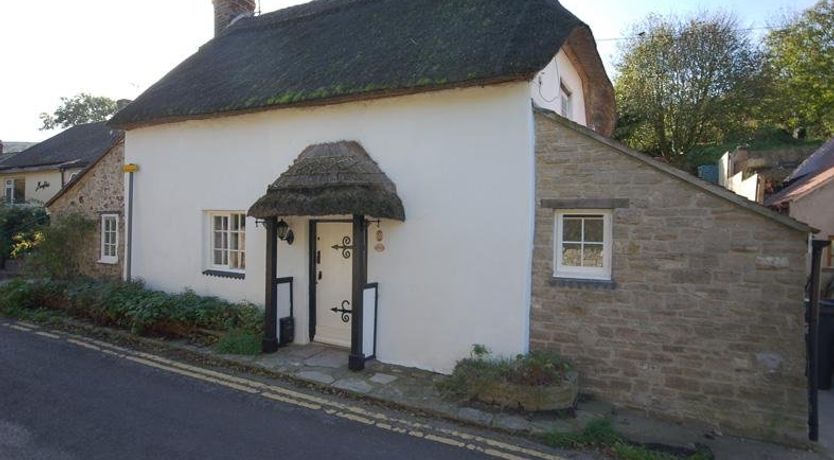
(583, 283)
(224, 274)
(108, 262)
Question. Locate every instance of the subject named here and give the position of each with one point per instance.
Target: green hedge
(131, 306)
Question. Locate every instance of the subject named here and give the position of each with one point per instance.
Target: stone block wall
(97, 191)
(705, 321)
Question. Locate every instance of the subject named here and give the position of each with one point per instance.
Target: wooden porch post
(356, 361)
(270, 340)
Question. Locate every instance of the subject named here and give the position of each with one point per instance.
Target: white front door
(334, 265)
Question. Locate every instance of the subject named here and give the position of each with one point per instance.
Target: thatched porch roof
(331, 179)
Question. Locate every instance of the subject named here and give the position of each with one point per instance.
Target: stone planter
(559, 396)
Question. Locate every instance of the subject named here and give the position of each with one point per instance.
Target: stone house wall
(97, 191)
(705, 320)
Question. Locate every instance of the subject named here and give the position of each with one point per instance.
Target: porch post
(356, 361)
(270, 340)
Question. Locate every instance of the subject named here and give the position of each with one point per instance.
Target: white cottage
(364, 168)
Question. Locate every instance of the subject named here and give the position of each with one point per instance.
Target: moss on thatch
(329, 50)
(331, 179)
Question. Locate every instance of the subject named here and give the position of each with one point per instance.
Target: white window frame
(8, 191)
(565, 100)
(9, 195)
(105, 244)
(589, 273)
(227, 267)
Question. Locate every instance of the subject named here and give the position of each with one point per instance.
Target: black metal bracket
(346, 247)
(344, 311)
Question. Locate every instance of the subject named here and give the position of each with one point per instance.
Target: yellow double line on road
(485, 445)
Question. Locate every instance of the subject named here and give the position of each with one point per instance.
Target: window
(566, 101)
(15, 191)
(583, 244)
(109, 238)
(228, 241)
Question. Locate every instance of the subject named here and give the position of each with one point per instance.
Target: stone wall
(99, 190)
(705, 321)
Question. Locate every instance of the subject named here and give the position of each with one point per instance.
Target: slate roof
(75, 147)
(331, 179)
(821, 159)
(805, 185)
(335, 50)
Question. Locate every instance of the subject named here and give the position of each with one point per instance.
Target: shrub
(19, 228)
(600, 434)
(239, 342)
(59, 249)
(132, 306)
(475, 374)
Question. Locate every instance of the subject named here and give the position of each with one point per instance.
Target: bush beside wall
(133, 307)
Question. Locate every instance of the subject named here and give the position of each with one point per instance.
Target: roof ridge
(708, 187)
(285, 15)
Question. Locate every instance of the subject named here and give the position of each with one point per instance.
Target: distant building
(10, 149)
(809, 197)
(36, 174)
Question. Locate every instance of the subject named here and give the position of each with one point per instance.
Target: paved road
(60, 401)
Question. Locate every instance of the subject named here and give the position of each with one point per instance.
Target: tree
(685, 82)
(800, 62)
(79, 109)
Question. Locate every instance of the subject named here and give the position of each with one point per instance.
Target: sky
(117, 48)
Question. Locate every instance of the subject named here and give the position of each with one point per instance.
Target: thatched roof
(329, 51)
(331, 179)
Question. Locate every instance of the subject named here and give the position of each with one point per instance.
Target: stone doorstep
(372, 386)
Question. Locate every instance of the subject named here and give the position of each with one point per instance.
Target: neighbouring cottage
(377, 175)
(97, 192)
(38, 173)
(808, 196)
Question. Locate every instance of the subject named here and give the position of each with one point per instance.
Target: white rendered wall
(546, 89)
(33, 194)
(817, 210)
(456, 273)
(748, 188)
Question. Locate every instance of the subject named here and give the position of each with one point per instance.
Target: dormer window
(566, 101)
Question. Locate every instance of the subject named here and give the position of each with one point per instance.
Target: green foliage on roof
(330, 49)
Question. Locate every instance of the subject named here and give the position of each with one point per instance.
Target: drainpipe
(130, 169)
(812, 319)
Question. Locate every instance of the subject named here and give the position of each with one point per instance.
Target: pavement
(65, 396)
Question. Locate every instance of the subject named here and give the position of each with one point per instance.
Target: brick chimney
(226, 11)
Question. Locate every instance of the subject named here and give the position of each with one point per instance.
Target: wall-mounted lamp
(284, 232)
